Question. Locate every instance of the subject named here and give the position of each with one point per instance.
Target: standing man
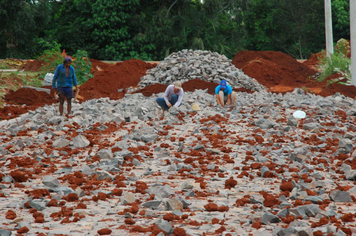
(224, 94)
(63, 81)
(173, 96)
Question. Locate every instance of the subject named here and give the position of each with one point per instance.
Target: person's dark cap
(223, 84)
(67, 59)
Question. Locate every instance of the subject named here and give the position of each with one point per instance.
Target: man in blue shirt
(63, 81)
(224, 94)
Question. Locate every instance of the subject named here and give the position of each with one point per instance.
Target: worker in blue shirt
(224, 93)
(63, 81)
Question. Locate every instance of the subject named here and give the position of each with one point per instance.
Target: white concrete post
(353, 40)
(328, 28)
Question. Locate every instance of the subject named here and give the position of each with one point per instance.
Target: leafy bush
(337, 63)
(82, 66)
(52, 57)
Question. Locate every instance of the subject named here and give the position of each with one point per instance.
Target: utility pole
(329, 28)
(353, 40)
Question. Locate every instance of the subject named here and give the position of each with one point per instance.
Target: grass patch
(338, 63)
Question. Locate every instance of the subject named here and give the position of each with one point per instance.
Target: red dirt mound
(108, 82)
(280, 73)
(332, 88)
(243, 58)
(273, 68)
(29, 97)
(32, 65)
(9, 112)
(97, 65)
(314, 59)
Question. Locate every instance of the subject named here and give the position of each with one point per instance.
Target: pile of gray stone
(198, 64)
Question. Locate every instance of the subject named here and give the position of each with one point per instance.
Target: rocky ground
(113, 168)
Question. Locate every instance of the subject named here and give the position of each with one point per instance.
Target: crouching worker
(63, 81)
(224, 93)
(173, 96)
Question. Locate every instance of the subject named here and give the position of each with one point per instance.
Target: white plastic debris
(48, 79)
(299, 114)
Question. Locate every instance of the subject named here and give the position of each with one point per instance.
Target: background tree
(341, 19)
(295, 27)
(22, 23)
(69, 26)
(151, 30)
(111, 29)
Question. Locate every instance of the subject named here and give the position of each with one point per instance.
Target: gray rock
(165, 226)
(50, 181)
(63, 190)
(55, 120)
(311, 210)
(38, 204)
(283, 213)
(298, 211)
(268, 217)
(164, 191)
(314, 199)
(105, 154)
(346, 145)
(292, 121)
(174, 204)
(264, 169)
(5, 232)
(340, 196)
(151, 204)
(80, 141)
(310, 126)
(102, 174)
(60, 143)
(128, 197)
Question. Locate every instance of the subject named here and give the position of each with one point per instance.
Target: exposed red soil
(279, 72)
(120, 76)
(29, 97)
(32, 65)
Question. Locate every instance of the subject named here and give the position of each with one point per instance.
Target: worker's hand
(55, 93)
(169, 104)
(76, 88)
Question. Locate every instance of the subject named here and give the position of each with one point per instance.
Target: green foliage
(4, 65)
(31, 81)
(82, 66)
(341, 18)
(111, 32)
(21, 23)
(151, 30)
(337, 63)
(288, 26)
(52, 57)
